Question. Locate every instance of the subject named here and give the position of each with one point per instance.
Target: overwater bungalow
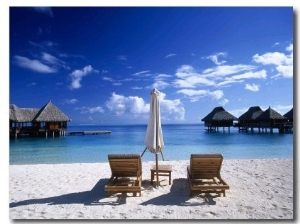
(289, 116)
(34, 122)
(271, 119)
(248, 120)
(288, 127)
(218, 117)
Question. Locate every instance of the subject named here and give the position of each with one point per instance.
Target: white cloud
(160, 84)
(141, 73)
(77, 75)
(50, 59)
(136, 107)
(290, 47)
(117, 84)
(185, 71)
(171, 109)
(282, 62)
(159, 81)
(34, 65)
(252, 87)
(170, 55)
(96, 110)
(162, 76)
(195, 95)
(250, 75)
(136, 88)
(192, 92)
(227, 70)
(47, 63)
(90, 110)
(189, 78)
(218, 94)
(274, 58)
(223, 102)
(228, 82)
(119, 105)
(114, 82)
(106, 78)
(46, 44)
(71, 101)
(218, 76)
(285, 70)
(224, 75)
(215, 58)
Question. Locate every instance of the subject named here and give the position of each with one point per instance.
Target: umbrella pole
(144, 151)
(162, 156)
(156, 158)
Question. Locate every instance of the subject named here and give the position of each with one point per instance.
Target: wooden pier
(88, 132)
(286, 127)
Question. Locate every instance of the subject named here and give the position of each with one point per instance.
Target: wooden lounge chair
(126, 174)
(204, 174)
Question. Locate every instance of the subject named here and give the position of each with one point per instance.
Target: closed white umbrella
(154, 136)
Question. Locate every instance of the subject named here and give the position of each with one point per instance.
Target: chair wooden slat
(204, 174)
(126, 174)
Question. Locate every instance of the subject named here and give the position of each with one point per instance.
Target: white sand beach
(259, 189)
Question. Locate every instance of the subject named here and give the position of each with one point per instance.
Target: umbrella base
(163, 170)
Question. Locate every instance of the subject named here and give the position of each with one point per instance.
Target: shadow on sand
(178, 195)
(85, 197)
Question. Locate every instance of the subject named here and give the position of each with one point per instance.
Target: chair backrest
(205, 165)
(125, 165)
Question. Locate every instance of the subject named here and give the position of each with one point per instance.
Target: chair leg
(152, 176)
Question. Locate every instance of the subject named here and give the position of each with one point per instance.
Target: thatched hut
(271, 119)
(289, 116)
(289, 124)
(218, 117)
(249, 118)
(37, 122)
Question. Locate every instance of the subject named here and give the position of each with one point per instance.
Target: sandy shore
(259, 189)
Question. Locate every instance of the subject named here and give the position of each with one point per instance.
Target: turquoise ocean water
(180, 142)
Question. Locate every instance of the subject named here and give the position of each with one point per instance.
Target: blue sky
(99, 64)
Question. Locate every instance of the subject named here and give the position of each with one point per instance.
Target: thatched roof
(271, 114)
(251, 114)
(289, 115)
(50, 113)
(219, 114)
(22, 114)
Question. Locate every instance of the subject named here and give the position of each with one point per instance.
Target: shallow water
(180, 142)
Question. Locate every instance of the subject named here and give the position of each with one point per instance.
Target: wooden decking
(286, 127)
(88, 132)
